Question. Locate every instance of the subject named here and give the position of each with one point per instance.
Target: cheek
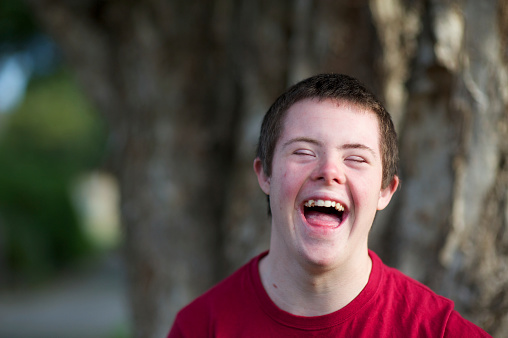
(288, 181)
(364, 191)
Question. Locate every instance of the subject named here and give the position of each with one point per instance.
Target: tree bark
(448, 224)
(184, 87)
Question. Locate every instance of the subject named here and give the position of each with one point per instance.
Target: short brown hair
(338, 87)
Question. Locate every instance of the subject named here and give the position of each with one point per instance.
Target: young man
(327, 159)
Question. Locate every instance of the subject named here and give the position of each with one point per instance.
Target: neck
(305, 291)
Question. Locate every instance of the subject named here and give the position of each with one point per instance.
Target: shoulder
(460, 327)
(215, 299)
(402, 288)
(405, 291)
(414, 304)
(418, 304)
(222, 301)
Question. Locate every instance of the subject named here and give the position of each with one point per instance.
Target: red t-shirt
(390, 305)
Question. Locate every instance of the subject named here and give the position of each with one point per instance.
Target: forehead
(331, 119)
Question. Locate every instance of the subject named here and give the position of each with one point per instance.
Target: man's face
(325, 185)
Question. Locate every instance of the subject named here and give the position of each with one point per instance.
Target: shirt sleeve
(175, 331)
(459, 327)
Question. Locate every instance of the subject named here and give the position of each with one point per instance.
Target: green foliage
(45, 144)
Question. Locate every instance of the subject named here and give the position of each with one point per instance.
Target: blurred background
(61, 272)
(128, 130)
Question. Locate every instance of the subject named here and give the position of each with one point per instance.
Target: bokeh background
(128, 130)
(61, 271)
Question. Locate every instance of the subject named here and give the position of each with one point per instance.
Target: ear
(263, 180)
(385, 195)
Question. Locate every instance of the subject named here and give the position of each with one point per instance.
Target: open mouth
(325, 213)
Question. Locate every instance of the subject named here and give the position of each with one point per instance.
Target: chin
(322, 258)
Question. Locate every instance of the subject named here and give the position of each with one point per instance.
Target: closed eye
(357, 159)
(304, 152)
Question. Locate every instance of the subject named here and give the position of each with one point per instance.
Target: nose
(330, 171)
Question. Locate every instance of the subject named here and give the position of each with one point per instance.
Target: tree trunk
(184, 87)
(448, 225)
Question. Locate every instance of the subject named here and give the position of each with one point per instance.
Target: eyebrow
(301, 139)
(344, 146)
(358, 146)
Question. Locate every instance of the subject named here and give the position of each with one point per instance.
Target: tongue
(317, 218)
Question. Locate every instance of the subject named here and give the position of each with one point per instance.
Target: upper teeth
(324, 203)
